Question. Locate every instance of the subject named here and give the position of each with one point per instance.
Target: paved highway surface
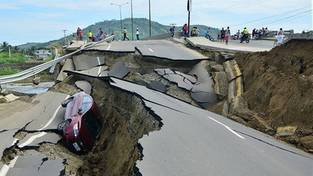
(234, 45)
(164, 49)
(196, 142)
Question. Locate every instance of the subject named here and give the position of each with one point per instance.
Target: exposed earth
(279, 86)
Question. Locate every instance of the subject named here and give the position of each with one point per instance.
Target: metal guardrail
(40, 68)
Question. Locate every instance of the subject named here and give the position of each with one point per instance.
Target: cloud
(46, 16)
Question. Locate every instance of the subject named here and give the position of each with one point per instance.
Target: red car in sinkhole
(82, 123)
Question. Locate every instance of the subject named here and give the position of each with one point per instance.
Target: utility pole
(64, 31)
(121, 17)
(9, 51)
(150, 25)
(189, 5)
(132, 18)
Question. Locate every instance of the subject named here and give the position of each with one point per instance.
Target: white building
(42, 54)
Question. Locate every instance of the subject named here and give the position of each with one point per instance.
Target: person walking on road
(185, 30)
(79, 34)
(137, 33)
(172, 31)
(91, 37)
(280, 37)
(227, 35)
(125, 34)
(100, 35)
(223, 35)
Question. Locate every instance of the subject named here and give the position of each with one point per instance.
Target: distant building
(42, 54)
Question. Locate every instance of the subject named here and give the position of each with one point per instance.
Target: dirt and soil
(279, 86)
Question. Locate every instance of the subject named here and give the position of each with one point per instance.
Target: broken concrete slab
(119, 70)
(217, 68)
(35, 163)
(286, 131)
(8, 98)
(95, 72)
(158, 86)
(7, 140)
(190, 78)
(164, 71)
(86, 62)
(52, 168)
(76, 45)
(235, 88)
(204, 97)
(182, 80)
(22, 172)
(30, 159)
(84, 86)
(68, 65)
(203, 87)
(221, 84)
(35, 139)
(232, 69)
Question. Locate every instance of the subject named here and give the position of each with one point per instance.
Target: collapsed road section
(154, 121)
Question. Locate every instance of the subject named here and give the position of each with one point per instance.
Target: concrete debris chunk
(8, 98)
(232, 69)
(221, 84)
(119, 70)
(158, 86)
(286, 131)
(84, 86)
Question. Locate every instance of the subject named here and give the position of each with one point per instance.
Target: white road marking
(151, 50)
(109, 47)
(99, 62)
(31, 139)
(5, 168)
(228, 128)
(99, 71)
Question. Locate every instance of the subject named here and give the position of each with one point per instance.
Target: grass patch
(8, 71)
(15, 58)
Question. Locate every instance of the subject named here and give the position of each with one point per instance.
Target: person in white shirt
(280, 37)
(137, 33)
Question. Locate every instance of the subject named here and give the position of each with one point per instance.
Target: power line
(289, 17)
(288, 20)
(269, 17)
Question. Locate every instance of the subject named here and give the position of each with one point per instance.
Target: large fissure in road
(125, 121)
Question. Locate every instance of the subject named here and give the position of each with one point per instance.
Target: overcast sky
(43, 20)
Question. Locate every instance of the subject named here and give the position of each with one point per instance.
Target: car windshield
(86, 104)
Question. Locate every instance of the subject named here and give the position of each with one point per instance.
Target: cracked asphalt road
(193, 141)
(43, 113)
(163, 49)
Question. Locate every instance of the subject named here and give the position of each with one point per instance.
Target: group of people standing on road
(258, 33)
(125, 34)
(100, 35)
(224, 35)
(90, 35)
